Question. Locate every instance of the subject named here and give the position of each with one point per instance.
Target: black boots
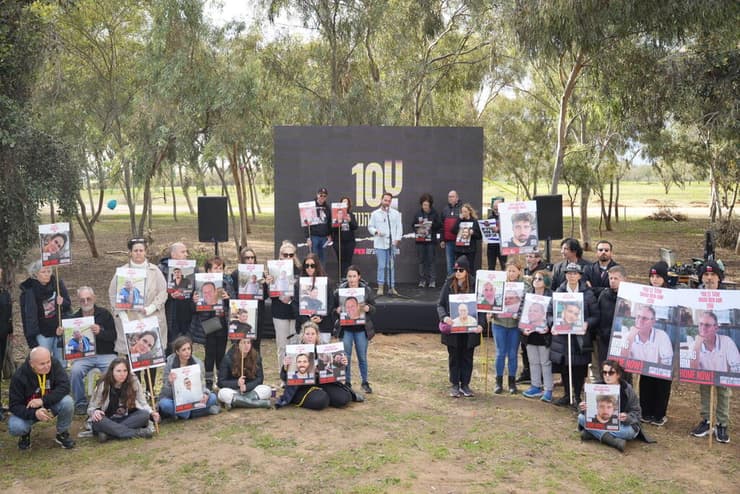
(512, 385)
(249, 400)
(499, 385)
(614, 442)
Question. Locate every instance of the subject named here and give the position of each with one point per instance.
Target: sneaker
(466, 391)
(102, 437)
(562, 402)
(144, 433)
(422, 284)
(547, 397)
(366, 388)
(647, 419)
(432, 284)
(80, 409)
(455, 391)
(214, 409)
(721, 434)
(659, 422)
(533, 392)
(381, 291)
(84, 434)
(393, 292)
(24, 442)
(63, 440)
(701, 430)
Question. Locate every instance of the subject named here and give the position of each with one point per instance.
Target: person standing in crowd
(182, 357)
(581, 346)
(533, 262)
(40, 308)
(344, 247)
(317, 236)
(247, 255)
(460, 346)
(629, 410)
(506, 333)
(6, 329)
(597, 273)
(607, 302)
(493, 251)
(450, 215)
(118, 408)
(39, 391)
(104, 330)
(358, 335)
(318, 396)
(711, 275)
(285, 308)
(154, 300)
(385, 227)
(240, 378)
(209, 328)
(426, 223)
(538, 345)
(312, 268)
(178, 307)
(467, 214)
(572, 252)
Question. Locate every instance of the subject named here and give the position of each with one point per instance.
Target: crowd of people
(231, 374)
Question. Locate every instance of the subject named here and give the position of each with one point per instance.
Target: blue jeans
(507, 344)
(450, 255)
(63, 411)
(51, 343)
(317, 247)
(80, 369)
(626, 432)
(359, 338)
(167, 408)
(384, 256)
(425, 254)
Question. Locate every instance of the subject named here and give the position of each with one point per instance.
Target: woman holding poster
(247, 255)
(538, 343)
(460, 346)
(313, 269)
(468, 234)
(629, 410)
(284, 307)
(343, 235)
(240, 378)
(507, 334)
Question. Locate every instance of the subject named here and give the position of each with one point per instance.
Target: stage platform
(413, 312)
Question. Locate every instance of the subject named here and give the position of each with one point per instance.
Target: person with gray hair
(104, 330)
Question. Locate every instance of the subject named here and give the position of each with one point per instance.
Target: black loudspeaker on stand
(549, 219)
(213, 225)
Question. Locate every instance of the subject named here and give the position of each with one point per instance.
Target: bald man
(39, 391)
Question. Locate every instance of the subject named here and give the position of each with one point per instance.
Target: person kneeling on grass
(183, 357)
(240, 378)
(118, 408)
(629, 410)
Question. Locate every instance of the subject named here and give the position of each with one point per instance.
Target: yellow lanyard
(42, 383)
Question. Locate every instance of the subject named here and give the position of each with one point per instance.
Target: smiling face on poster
(79, 340)
(143, 343)
(301, 365)
(331, 363)
(518, 225)
(489, 290)
(130, 288)
(243, 319)
(534, 314)
(55, 245)
(281, 271)
(312, 295)
(352, 304)
(464, 312)
(568, 313)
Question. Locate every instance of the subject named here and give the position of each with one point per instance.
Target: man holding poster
(319, 232)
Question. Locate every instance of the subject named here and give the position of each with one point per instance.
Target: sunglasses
(460, 270)
(603, 250)
(608, 372)
(288, 254)
(312, 265)
(250, 257)
(538, 278)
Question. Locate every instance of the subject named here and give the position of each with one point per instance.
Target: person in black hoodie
(450, 214)
(40, 308)
(466, 243)
(318, 235)
(39, 391)
(346, 241)
(607, 304)
(427, 224)
(312, 268)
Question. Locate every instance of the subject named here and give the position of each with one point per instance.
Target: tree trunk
(233, 156)
(585, 235)
(172, 190)
(616, 202)
(185, 186)
(234, 228)
(129, 197)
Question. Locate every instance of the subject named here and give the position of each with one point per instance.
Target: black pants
(348, 250)
(493, 252)
(654, 396)
(322, 396)
(460, 360)
(579, 379)
(215, 350)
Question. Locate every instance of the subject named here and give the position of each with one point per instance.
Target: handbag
(212, 325)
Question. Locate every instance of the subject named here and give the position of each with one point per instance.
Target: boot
(499, 385)
(249, 400)
(512, 385)
(614, 442)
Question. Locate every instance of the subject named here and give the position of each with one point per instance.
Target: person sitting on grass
(240, 378)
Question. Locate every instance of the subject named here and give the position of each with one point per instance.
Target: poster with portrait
(55, 244)
(312, 295)
(513, 297)
(187, 388)
(251, 280)
(308, 213)
(534, 314)
(518, 226)
(567, 313)
(180, 278)
(243, 319)
(489, 231)
(339, 214)
(423, 229)
(331, 362)
(602, 407)
(643, 330)
(130, 288)
(209, 287)
(143, 343)
(351, 306)
(464, 312)
(709, 337)
(79, 340)
(281, 271)
(464, 234)
(489, 290)
(301, 365)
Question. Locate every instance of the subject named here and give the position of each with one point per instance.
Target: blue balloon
(112, 204)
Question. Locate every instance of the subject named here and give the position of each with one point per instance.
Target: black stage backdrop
(364, 162)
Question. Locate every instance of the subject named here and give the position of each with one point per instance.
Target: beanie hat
(661, 269)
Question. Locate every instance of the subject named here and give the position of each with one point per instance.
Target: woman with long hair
(313, 269)
(538, 344)
(506, 333)
(248, 255)
(240, 378)
(466, 243)
(285, 307)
